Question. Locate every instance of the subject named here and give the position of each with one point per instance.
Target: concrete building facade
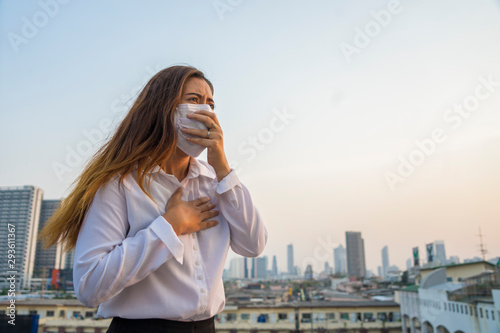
(20, 209)
(355, 251)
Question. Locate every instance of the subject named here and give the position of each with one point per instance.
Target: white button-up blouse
(130, 262)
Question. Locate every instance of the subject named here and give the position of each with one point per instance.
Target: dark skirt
(122, 325)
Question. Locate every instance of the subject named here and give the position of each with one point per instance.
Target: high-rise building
(261, 267)
(385, 261)
(53, 257)
(308, 275)
(440, 252)
(19, 215)
(253, 272)
(290, 259)
(355, 250)
(408, 263)
(68, 259)
(237, 268)
(454, 260)
(245, 269)
(275, 266)
(339, 258)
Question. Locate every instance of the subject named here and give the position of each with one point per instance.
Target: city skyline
(27, 209)
(392, 133)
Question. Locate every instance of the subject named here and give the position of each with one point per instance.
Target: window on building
(449, 279)
(306, 318)
(486, 313)
(382, 316)
(76, 314)
(2, 312)
(481, 312)
(230, 317)
(89, 314)
(462, 308)
(492, 315)
(330, 315)
(282, 316)
(245, 316)
(33, 312)
(50, 313)
(444, 306)
(466, 308)
(263, 318)
(62, 313)
(368, 317)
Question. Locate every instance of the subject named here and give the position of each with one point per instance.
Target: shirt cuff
(166, 233)
(228, 182)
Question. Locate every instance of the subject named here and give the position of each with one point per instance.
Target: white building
(339, 260)
(385, 261)
(437, 305)
(237, 268)
(19, 215)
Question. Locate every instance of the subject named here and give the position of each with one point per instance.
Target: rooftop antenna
(482, 248)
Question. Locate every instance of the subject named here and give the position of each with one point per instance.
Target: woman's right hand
(190, 216)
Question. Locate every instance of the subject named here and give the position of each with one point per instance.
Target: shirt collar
(196, 168)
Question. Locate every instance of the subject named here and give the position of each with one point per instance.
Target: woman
(151, 225)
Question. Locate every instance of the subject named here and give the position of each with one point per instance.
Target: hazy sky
(373, 116)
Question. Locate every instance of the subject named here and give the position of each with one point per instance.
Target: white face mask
(182, 121)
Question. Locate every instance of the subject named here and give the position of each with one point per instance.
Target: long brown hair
(146, 136)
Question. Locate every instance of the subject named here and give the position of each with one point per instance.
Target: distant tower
(308, 275)
(339, 258)
(482, 248)
(253, 274)
(261, 267)
(275, 266)
(245, 269)
(385, 261)
(355, 247)
(19, 215)
(236, 268)
(290, 259)
(52, 257)
(408, 263)
(440, 252)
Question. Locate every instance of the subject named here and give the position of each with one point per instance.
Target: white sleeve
(105, 260)
(248, 233)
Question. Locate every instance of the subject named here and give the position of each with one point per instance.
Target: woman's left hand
(212, 139)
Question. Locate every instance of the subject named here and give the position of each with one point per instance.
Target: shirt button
(200, 277)
(195, 247)
(202, 307)
(197, 263)
(202, 290)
